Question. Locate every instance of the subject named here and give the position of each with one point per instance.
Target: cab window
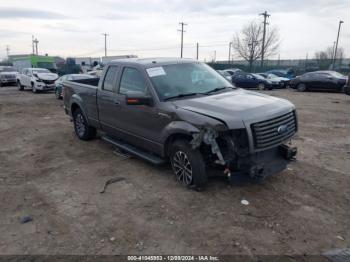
(132, 81)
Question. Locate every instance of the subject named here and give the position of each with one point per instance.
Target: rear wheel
(81, 127)
(188, 165)
(301, 87)
(261, 86)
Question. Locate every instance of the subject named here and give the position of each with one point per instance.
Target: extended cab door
(107, 103)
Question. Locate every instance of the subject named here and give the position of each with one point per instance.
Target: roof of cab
(152, 62)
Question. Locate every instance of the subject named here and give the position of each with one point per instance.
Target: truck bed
(86, 90)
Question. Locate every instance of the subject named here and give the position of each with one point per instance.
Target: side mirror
(138, 98)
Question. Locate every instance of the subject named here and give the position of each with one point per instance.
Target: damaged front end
(229, 150)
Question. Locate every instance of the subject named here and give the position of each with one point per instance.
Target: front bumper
(265, 163)
(45, 87)
(8, 81)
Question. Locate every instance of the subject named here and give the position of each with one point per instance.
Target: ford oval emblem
(282, 129)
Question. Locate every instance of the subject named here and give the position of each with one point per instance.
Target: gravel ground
(48, 174)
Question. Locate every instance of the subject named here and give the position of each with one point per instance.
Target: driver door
(141, 124)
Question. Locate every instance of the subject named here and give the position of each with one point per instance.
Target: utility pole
(7, 51)
(197, 51)
(33, 50)
(105, 43)
(229, 52)
(265, 15)
(336, 45)
(36, 46)
(182, 36)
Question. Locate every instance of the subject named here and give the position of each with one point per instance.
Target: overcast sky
(149, 27)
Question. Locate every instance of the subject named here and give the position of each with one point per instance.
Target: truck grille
(10, 76)
(49, 82)
(274, 131)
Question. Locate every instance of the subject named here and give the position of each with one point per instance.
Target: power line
(265, 15)
(182, 36)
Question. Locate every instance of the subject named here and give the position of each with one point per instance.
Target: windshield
(272, 76)
(40, 71)
(258, 76)
(8, 69)
(184, 79)
(337, 75)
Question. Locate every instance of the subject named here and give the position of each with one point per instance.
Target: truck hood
(47, 76)
(237, 108)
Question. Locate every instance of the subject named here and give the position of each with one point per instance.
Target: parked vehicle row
(318, 80)
(183, 111)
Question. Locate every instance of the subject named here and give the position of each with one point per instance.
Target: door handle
(117, 103)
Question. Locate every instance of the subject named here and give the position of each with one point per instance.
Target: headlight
(38, 80)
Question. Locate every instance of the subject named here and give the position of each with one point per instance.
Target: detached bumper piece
(265, 163)
(288, 152)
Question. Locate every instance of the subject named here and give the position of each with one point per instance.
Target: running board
(135, 151)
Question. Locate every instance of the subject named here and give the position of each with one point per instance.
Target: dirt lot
(48, 174)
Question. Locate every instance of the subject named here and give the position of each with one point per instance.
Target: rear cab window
(109, 81)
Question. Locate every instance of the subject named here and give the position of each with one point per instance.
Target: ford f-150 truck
(183, 111)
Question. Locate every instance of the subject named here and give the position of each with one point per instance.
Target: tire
(19, 86)
(34, 89)
(301, 87)
(261, 86)
(347, 90)
(57, 94)
(188, 165)
(81, 127)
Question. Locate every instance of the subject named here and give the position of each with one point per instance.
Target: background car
(225, 74)
(70, 77)
(319, 80)
(282, 82)
(38, 79)
(246, 80)
(233, 71)
(8, 75)
(287, 73)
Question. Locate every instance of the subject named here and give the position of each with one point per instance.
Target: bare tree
(248, 43)
(325, 58)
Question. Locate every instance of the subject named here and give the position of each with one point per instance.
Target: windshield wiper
(216, 89)
(181, 95)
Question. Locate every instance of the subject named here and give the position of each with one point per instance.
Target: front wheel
(34, 88)
(347, 90)
(188, 165)
(19, 86)
(57, 94)
(301, 87)
(81, 127)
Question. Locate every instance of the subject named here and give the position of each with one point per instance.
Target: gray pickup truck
(183, 111)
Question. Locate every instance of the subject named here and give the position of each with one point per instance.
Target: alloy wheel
(80, 124)
(182, 168)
